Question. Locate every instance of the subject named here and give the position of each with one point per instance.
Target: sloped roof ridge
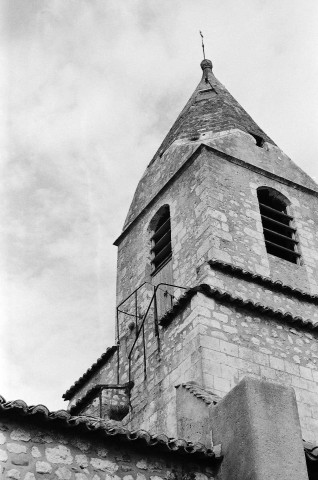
(107, 428)
(207, 396)
(89, 372)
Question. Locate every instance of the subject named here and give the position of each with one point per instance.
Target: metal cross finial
(202, 44)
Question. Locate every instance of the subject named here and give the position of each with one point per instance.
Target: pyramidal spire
(211, 108)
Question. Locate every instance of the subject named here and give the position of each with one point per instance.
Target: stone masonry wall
(235, 342)
(134, 258)
(215, 214)
(233, 230)
(32, 452)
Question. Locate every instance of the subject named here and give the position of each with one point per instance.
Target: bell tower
(217, 275)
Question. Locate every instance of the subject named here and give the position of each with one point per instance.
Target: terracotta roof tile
(208, 397)
(62, 418)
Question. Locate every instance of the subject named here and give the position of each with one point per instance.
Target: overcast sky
(89, 88)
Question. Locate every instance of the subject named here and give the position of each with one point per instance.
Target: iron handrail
(145, 315)
(141, 328)
(135, 292)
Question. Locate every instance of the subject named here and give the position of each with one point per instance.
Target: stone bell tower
(217, 276)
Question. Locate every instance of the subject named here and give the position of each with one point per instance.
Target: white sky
(89, 88)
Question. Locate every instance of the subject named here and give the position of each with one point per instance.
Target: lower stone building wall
(32, 452)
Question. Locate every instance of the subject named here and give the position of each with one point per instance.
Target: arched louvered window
(278, 228)
(161, 239)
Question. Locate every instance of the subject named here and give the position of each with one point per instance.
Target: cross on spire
(202, 44)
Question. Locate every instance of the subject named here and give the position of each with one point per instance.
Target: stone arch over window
(160, 228)
(280, 234)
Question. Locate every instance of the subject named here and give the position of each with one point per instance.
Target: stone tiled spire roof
(211, 108)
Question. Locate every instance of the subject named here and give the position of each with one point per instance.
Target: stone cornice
(227, 298)
(267, 282)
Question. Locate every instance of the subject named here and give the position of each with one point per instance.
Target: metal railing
(140, 329)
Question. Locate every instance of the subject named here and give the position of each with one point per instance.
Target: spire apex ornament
(202, 44)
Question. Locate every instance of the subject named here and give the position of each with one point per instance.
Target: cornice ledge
(275, 285)
(228, 298)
